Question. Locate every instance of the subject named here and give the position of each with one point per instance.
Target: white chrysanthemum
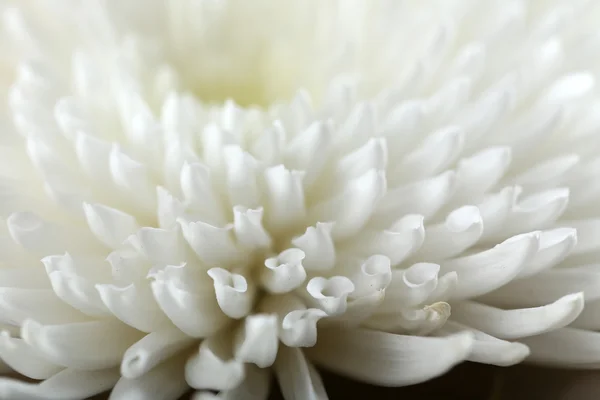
(199, 193)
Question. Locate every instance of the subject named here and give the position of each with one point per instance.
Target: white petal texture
(200, 195)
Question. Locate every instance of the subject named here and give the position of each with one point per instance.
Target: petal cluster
(196, 195)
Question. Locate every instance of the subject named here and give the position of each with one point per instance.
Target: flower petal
(133, 304)
(318, 247)
(152, 350)
(284, 272)
(235, 294)
(488, 349)
(69, 384)
(483, 272)
(514, 324)
(386, 359)
(85, 345)
(297, 378)
(256, 340)
(213, 368)
(24, 359)
(164, 382)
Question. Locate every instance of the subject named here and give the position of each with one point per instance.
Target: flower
(199, 192)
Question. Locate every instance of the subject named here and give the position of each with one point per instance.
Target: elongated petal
(296, 376)
(353, 207)
(545, 288)
(235, 294)
(110, 226)
(397, 242)
(555, 246)
(24, 359)
(41, 305)
(318, 247)
(212, 367)
(69, 384)
(387, 359)
(133, 304)
(256, 341)
(164, 382)
(330, 294)
(85, 345)
(483, 272)
(152, 350)
(462, 229)
(411, 287)
(488, 349)
(514, 324)
(196, 313)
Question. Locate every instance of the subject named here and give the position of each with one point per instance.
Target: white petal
(199, 195)
(462, 229)
(24, 359)
(160, 246)
(86, 345)
(193, 310)
(397, 242)
(242, 171)
(70, 384)
(330, 294)
(152, 350)
(93, 155)
(488, 349)
(424, 197)
(545, 288)
(387, 359)
(165, 382)
(371, 155)
(297, 323)
(355, 130)
(308, 151)
(256, 341)
(133, 178)
(537, 211)
(483, 272)
(411, 287)
(133, 304)
(235, 294)
(285, 198)
(477, 174)
(42, 305)
(212, 368)
(248, 228)
(353, 207)
(514, 324)
(110, 226)
(297, 378)
(76, 290)
(566, 347)
(433, 156)
(374, 275)
(169, 209)
(214, 246)
(555, 246)
(44, 238)
(283, 273)
(419, 322)
(569, 87)
(318, 247)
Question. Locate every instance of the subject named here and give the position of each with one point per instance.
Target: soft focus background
(471, 381)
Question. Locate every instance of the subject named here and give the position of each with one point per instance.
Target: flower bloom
(202, 193)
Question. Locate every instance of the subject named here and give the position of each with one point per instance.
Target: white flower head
(199, 193)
